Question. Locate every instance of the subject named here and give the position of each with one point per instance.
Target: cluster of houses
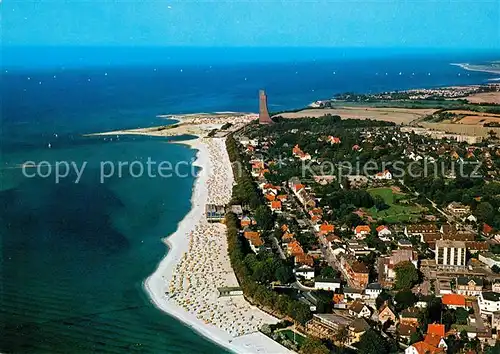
(355, 302)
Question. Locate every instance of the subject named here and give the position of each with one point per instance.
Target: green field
(299, 339)
(396, 212)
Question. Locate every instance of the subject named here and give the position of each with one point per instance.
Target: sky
(253, 23)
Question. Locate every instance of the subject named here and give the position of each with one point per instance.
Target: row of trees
(245, 270)
(255, 272)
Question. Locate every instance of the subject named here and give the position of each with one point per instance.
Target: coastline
(480, 68)
(178, 247)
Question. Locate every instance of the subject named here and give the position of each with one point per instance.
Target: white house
(386, 175)
(489, 302)
(352, 293)
(384, 233)
(327, 284)
(495, 287)
(373, 290)
(305, 272)
(358, 309)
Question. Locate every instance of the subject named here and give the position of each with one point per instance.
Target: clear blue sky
(372, 23)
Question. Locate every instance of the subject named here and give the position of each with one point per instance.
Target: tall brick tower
(264, 117)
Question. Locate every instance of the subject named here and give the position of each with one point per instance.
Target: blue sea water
(74, 255)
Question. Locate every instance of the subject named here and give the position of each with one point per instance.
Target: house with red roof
(361, 231)
(385, 175)
(454, 301)
(383, 232)
(423, 348)
(270, 197)
(333, 140)
(294, 248)
(487, 229)
(436, 329)
(304, 259)
(276, 206)
(326, 228)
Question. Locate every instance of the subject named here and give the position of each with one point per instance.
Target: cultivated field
(396, 115)
(462, 129)
(473, 118)
(485, 97)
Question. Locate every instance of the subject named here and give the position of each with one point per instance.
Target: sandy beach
(197, 124)
(185, 283)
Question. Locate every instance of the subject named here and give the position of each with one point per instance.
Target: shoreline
(178, 244)
(469, 67)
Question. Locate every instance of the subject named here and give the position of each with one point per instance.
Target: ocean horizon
(75, 255)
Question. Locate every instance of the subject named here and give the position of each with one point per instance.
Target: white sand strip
(185, 283)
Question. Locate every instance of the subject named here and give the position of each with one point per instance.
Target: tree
(406, 275)
(380, 203)
(484, 211)
(328, 272)
(448, 318)
(313, 346)
(264, 217)
(461, 316)
(342, 335)
(415, 337)
(404, 299)
(372, 343)
(284, 274)
(382, 298)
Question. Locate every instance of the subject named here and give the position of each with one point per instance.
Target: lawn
(396, 212)
(298, 338)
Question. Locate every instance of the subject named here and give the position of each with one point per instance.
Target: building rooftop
(450, 243)
(491, 296)
(466, 280)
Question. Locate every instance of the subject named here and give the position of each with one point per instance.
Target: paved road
(477, 313)
(280, 251)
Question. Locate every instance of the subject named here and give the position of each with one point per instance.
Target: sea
(76, 249)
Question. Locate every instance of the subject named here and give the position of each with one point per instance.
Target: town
(404, 258)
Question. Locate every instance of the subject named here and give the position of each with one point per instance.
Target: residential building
(386, 313)
(326, 228)
(254, 240)
(359, 309)
(327, 325)
(362, 231)
(458, 209)
(410, 316)
(356, 271)
(436, 329)
(373, 290)
(489, 302)
(406, 331)
(384, 233)
(489, 259)
(423, 348)
(387, 265)
(304, 259)
(420, 229)
(469, 286)
(354, 294)
(495, 287)
(304, 271)
(358, 248)
(330, 284)
(453, 301)
(385, 175)
(276, 206)
(450, 253)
